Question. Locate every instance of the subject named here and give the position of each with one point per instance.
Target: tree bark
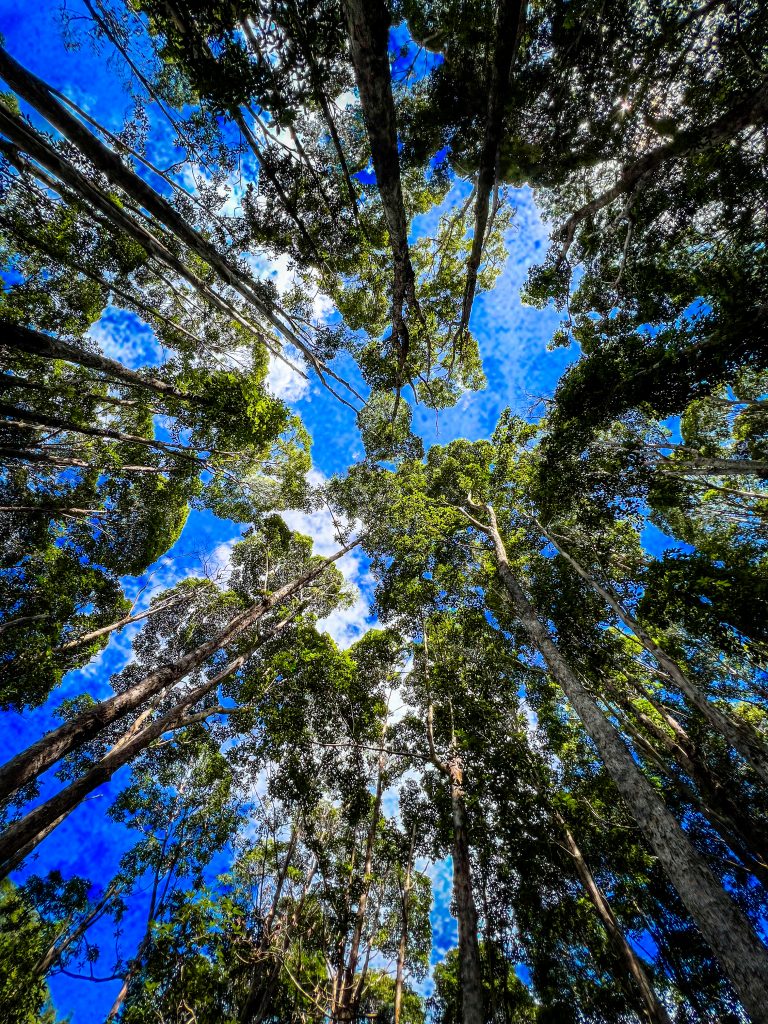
(351, 992)
(402, 948)
(368, 25)
(723, 826)
(712, 800)
(37, 94)
(46, 347)
(40, 756)
(740, 735)
(652, 1008)
(44, 459)
(728, 933)
(29, 832)
(510, 19)
(94, 634)
(701, 466)
(29, 418)
(466, 912)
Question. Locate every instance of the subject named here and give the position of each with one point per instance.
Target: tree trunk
(71, 936)
(701, 466)
(94, 634)
(60, 461)
(740, 735)
(368, 25)
(37, 94)
(730, 936)
(751, 110)
(40, 756)
(652, 1009)
(29, 832)
(402, 948)
(350, 993)
(712, 799)
(510, 18)
(466, 912)
(46, 347)
(260, 988)
(29, 418)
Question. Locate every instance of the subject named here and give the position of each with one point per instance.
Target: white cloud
(345, 625)
(123, 336)
(284, 381)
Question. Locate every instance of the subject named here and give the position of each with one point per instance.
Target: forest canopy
(383, 505)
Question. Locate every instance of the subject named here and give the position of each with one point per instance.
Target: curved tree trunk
(751, 110)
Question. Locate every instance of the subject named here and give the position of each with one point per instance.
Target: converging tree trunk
(40, 756)
(463, 896)
(368, 24)
(740, 735)
(650, 1005)
(728, 933)
(404, 923)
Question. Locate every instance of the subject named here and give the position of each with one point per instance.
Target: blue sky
(519, 370)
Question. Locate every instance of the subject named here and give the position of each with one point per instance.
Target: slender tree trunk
(29, 832)
(466, 912)
(700, 466)
(261, 992)
(38, 95)
(94, 634)
(510, 17)
(751, 110)
(57, 949)
(724, 927)
(40, 756)
(320, 95)
(712, 799)
(652, 1008)
(59, 461)
(46, 347)
(740, 735)
(402, 948)
(26, 418)
(351, 992)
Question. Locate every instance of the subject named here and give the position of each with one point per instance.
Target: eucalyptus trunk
(728, 933)
(350, 989)
(651, 1007)
(15, 336)
(21, 838)
(466, 911)
(741, 736)
(40, 756)
(368, 24)
(404, 923)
